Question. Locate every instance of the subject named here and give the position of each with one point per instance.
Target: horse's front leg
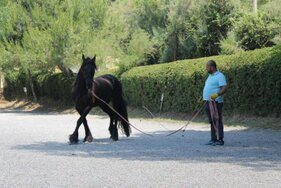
(73, 138)
(88, 134)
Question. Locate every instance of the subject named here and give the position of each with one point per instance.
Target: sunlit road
(34, 153)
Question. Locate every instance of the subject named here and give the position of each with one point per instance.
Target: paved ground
(34, 153)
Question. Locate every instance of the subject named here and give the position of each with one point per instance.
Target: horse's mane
(78, 85)
(78, 78)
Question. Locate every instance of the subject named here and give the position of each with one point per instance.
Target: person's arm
(223, 90)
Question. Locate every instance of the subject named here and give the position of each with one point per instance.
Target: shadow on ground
(246, 148)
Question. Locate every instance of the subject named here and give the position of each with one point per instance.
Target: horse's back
(108, 77)
(105, 85)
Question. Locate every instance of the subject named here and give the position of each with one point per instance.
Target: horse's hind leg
(113, 129)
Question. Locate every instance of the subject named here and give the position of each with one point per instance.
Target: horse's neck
(79, 85)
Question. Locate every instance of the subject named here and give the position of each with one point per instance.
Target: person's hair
(212, 63)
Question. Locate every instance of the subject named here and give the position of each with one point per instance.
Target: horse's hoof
(114, 138)
(88, 139)
(73, 139)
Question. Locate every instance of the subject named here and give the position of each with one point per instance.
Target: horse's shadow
(239, 149)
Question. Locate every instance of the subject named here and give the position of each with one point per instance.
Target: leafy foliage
(39, 38)
(253, 79)
(254, 31)
(214, 24)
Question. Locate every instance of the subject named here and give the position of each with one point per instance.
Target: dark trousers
(220, 133)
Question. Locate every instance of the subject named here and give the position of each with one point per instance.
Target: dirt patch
(44, 105)
(50, 106)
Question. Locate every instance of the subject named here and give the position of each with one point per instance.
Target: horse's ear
(83, 57)
(94, 62)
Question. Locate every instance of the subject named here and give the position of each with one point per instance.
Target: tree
(150, 14)
(255, 6)
(254, 31)
(215, 20)
(179, 39)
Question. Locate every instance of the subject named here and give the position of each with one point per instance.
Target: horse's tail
(120, 106)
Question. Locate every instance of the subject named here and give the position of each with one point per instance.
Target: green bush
(253, 78)
(56, 87)
(14, 85)
(53, 86)
(229, 45)
(254, 31)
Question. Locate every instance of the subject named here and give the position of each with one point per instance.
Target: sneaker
(219, 143)
(211, 143)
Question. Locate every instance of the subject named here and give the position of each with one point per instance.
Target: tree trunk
(65, 70)
(32, 86)
(255, 5)
(176, 49)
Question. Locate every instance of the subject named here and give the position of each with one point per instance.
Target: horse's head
(88, 69)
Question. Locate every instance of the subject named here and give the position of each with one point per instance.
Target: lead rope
(193, 117)
(153, 117)
(214, 115)
(183, 127)
(120, 114)
(197, 110)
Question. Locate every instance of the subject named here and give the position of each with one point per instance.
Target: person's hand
(214, 96)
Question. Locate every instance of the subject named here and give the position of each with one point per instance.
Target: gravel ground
(34, 153)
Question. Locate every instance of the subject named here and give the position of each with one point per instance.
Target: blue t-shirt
(213, 84)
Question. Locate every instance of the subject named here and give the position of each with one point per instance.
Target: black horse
(106, 87)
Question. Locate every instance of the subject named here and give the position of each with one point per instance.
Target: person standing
(214, 89)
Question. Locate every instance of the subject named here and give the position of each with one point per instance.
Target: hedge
(254, 79)
(59, 86)
(54, 86)
(14, 85)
